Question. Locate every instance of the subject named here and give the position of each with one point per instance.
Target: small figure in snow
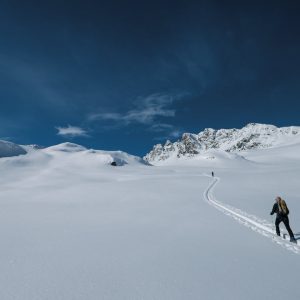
(212, 174)
(282, 211)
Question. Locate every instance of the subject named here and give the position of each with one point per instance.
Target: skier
(281, 210)
(212, 174)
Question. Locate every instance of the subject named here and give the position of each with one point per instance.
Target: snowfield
(74, 227)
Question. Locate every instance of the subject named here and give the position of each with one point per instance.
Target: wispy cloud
(176, 133)
(29, 75)
(166, 131)
(161, 127)
(149, 111)
(171, 135)
(146, 111)
(71, 131)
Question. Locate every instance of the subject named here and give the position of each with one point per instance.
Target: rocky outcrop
(252, 136)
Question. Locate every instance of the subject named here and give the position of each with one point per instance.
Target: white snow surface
(74, 227)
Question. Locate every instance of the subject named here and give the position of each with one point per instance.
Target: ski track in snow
(260, 226)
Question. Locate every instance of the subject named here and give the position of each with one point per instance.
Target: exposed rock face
(252, 136)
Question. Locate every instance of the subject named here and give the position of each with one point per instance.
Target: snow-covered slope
(8, 149)
(73, 227)
(67, 151)
(252, 136)
(78, 152)
(65, 162)
(73, 155)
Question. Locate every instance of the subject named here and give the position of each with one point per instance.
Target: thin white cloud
(146, 111)
(161, 127)
(167, 131)
(175, 134)
(28, 74)
(105, 116)
(71, 131)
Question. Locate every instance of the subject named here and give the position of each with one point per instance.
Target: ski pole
(272, 222)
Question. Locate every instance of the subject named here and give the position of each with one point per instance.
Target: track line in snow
(258, 225)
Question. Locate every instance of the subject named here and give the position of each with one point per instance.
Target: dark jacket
(278, 213)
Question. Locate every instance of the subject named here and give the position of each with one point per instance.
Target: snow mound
(66, 147)
(8, 149)
(79, 154)
(119, 157)
(222, 155)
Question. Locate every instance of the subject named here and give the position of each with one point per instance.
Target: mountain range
(235, 141)
(252, 136)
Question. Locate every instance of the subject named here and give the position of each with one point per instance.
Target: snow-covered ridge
(8, 149)
(252, 136)
(73, 153)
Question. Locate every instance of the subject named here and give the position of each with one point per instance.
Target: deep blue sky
(128, 74)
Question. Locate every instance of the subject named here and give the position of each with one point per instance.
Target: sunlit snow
(74, 227)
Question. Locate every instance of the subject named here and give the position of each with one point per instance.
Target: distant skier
(212, 174)
(282, 211)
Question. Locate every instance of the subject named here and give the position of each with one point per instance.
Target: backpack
(283, 209)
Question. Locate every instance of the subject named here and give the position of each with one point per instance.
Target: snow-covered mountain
(252, 136)
(8, 149)
(79, 153)
(66, 162)
(61, 154)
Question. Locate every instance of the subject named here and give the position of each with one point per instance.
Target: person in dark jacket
(282, 217)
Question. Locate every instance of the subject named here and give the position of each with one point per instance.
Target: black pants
(286, 222)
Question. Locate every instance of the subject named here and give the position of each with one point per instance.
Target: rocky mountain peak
(252, 136)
